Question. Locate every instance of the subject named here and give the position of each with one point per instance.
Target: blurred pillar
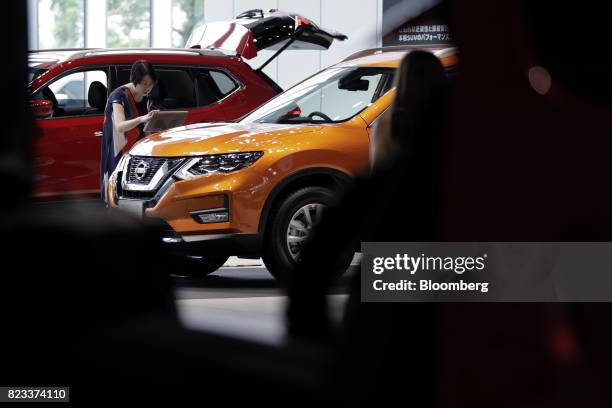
(161, 23)
(33, 24)
(95, 23)
(16, 143)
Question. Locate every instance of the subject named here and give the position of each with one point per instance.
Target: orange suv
(256, 187)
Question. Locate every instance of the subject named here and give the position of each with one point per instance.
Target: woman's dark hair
(140, 69)
(420, 100)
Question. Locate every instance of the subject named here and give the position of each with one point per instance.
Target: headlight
(216, 163)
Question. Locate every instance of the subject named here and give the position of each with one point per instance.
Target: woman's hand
(148, 116)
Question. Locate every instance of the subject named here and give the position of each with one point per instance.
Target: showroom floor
(242, 299)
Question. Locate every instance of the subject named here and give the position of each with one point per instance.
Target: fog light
(211, 216)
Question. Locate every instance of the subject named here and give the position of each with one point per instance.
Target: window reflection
(128, 23)
(60, 24)
(186, 14)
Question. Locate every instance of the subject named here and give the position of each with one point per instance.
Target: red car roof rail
(197, 51)
(67, 54)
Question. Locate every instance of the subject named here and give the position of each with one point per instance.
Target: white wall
(362, 24)
(295, 65)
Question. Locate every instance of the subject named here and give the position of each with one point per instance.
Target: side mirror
(41, 108)
(355, 84)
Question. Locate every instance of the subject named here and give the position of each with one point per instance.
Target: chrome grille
(147, 165)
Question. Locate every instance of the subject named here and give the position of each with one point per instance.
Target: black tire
(275, 251)
(196, 266)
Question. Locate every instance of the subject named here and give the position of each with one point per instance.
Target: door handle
(98, 134)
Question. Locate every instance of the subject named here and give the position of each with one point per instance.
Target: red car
(210, 80)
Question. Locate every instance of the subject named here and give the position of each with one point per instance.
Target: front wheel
(291, 226)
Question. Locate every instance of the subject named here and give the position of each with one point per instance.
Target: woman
(126, 112)
(400, 198)
(413, 118)
(397, 203)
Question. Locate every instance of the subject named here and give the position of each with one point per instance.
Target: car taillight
(300, 21)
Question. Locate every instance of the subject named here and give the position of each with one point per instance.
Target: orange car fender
(340, 178)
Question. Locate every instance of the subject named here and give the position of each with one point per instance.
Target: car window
(175, 88)
(77, 94)
(387, 84)
(338, 103)
(223, 81)
(333, 95)
(71, 90)
(213, 85)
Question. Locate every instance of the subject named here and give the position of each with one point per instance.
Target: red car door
(67, 144)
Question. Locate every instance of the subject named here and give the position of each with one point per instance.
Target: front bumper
(176, 204)
(243, 245)
(247, 245)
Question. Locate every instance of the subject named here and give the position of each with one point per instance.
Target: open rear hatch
(256, 30)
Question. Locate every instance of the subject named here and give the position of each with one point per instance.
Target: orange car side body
(288, 150)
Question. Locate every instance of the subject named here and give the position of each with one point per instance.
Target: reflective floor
(242, 299)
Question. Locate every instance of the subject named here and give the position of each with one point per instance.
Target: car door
(180, 88)
(67, 146)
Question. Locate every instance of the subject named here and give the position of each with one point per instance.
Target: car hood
(214, 138)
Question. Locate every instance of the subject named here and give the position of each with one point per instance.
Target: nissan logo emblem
(141, 170)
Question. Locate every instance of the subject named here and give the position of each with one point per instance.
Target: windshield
(333, 95)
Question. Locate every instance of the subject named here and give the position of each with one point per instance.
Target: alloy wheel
(301, 226)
